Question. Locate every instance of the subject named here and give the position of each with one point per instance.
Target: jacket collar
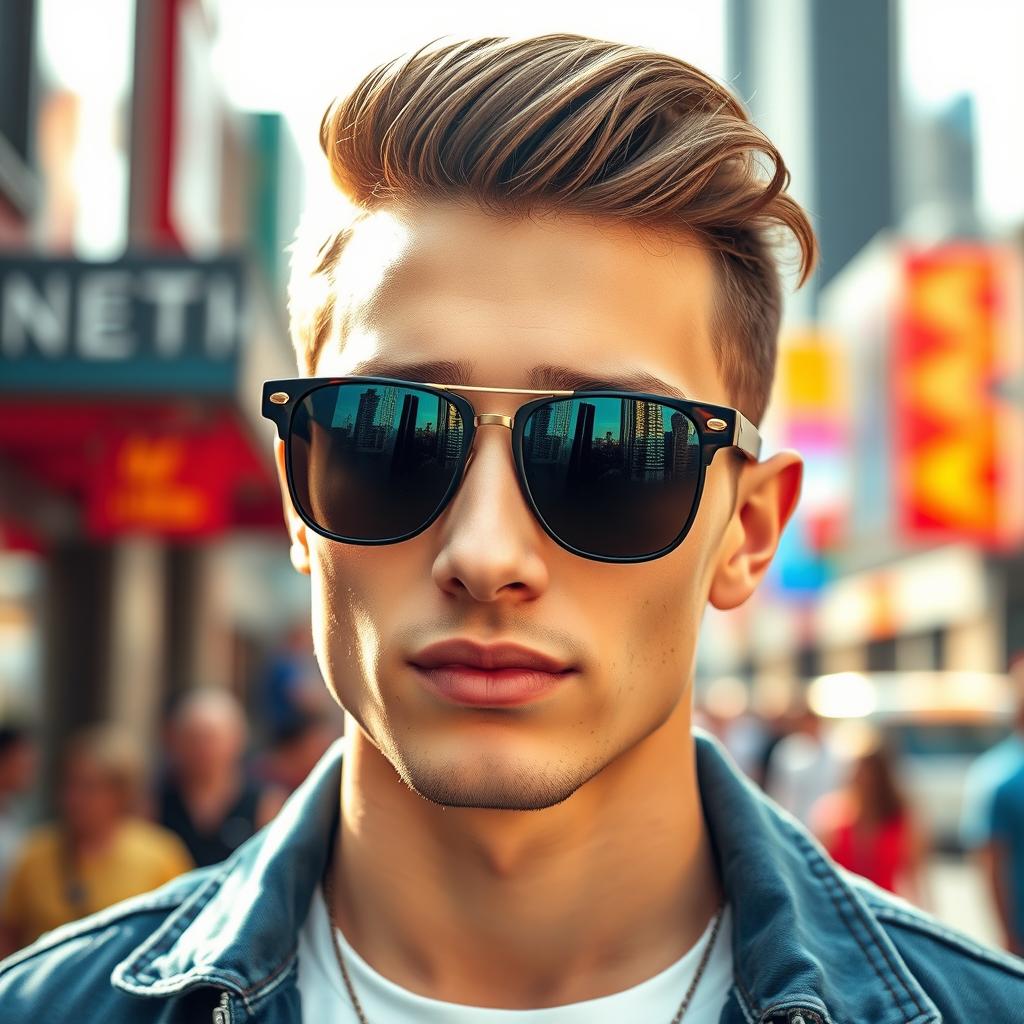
(803, 939)
(238, 929)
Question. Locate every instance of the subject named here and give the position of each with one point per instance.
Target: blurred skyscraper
(906, 552)
(820, 78)
(19, 185)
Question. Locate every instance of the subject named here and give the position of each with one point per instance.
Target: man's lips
(498, 675)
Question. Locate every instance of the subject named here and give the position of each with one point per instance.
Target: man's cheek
(335, 599)
(663, 631)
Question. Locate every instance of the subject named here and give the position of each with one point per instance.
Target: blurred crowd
(843, 786)
(850, 783)
(121, 829)
(122, 826)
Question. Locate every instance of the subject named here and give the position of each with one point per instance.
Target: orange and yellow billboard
(958, 447)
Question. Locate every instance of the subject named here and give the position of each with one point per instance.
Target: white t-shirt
(656, 1000)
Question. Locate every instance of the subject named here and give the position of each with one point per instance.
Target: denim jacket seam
(745, 997)
(113, 916)
(743, 1000)
(267, 986)
(169, 937)
(147, 953)
(250, 994)
(163, 938)
(958, 941)
(886, 971)
(921, 1011)
(217, 977)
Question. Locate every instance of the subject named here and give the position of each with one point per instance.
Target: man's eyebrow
(547, 375)
(441, 371)
(565, 378)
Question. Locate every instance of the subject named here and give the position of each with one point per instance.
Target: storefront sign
(157, 325)
(167, 484)
(920, 593)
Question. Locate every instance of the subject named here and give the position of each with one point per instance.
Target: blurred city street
(156, 660)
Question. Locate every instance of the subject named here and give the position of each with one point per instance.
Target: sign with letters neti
(141, 324)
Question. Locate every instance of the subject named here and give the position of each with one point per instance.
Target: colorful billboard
(811, 415)
(958, 465)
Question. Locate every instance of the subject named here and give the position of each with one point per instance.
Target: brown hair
(579, 125)
(875, 779)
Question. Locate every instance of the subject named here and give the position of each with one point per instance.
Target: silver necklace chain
(358, 1007)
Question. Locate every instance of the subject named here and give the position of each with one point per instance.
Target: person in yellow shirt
(98, 852)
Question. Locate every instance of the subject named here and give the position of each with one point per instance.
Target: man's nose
(491, 545)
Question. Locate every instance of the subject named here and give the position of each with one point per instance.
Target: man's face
(90, 798)
(506, 296)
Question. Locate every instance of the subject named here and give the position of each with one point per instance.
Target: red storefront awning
(171, 467)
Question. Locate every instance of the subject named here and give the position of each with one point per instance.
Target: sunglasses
(614, 476)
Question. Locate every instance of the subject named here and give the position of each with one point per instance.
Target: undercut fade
(573, 124)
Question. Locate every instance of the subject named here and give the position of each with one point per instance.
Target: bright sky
(950, 48)
(296, 56)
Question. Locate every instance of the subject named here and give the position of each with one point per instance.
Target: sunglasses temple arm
(747, 437)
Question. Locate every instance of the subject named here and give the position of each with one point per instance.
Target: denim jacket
(812, 944)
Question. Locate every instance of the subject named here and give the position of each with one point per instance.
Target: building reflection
(588, 439)
(623, 437)
(392, 422)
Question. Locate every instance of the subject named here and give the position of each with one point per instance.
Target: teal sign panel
(144, 324)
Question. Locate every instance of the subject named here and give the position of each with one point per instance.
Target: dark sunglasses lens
(373, 462)
(613, 477)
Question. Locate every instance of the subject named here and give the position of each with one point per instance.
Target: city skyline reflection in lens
(615, 477)
(374, 461)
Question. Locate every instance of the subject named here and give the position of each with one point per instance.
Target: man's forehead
(562, 305)
(542, 376)
(398, 256)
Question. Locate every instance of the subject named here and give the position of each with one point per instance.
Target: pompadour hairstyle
(568, 123)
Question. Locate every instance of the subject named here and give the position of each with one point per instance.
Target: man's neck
(527, 909)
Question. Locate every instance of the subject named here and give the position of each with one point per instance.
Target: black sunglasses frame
(718, 427)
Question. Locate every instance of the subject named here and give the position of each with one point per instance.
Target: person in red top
(868, 827)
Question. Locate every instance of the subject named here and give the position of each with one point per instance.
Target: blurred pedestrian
(292, 686)
(207, 797)
(18, 759)
(98, 852)
(724, 710)
(295, 748)
(991, 770)
(804, 765)
(867, 826)
(1002, 857)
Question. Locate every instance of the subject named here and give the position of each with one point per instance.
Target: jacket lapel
(240, 929)
(802, 935)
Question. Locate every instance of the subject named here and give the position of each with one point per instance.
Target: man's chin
(489, 784)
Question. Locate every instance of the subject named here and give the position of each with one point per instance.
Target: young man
(559, 281)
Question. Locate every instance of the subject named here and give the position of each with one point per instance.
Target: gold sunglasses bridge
(494, 419)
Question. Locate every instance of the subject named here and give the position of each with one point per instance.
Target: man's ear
(296, 527)
(767, 493)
